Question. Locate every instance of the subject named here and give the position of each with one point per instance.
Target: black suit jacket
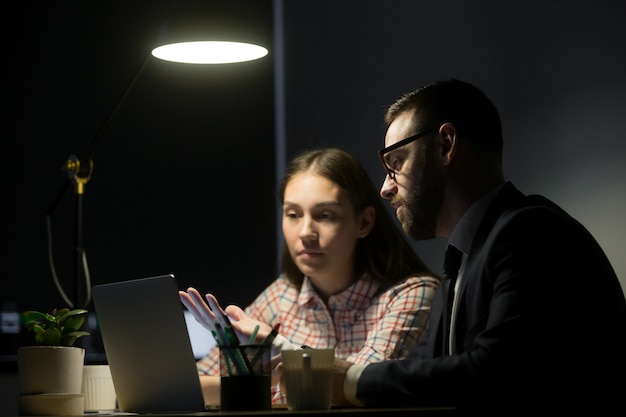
(541, 323)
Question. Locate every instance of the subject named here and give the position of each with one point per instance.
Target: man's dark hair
(462, 104)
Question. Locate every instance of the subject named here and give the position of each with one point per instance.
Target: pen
(270, 338)
(230, 349)
(253, 335)
(266, 342)
(221, 317)
(223, 337)
(226, 358)
(217, 338)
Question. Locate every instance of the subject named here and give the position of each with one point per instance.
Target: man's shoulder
(512, 201)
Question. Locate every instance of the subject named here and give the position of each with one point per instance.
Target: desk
(334, 412)
(283, 412)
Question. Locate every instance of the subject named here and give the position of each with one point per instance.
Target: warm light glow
(209, 52)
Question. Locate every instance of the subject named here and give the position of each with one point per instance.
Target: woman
(349, 281)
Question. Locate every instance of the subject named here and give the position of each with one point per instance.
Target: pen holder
(245, 378)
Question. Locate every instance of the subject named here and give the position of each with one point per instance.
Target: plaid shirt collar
(356, 297)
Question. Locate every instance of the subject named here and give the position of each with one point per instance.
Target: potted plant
(53, 364)
(59, 328)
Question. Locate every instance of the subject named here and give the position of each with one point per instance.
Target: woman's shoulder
(413, 293)
(413, 283)
(422, 279)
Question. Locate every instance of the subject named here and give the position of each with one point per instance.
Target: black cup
(245, 378)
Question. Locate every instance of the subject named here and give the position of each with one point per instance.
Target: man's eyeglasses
(392, 171)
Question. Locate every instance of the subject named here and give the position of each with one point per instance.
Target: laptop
(147, 345)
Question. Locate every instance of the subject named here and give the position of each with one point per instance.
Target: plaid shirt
(362, 324)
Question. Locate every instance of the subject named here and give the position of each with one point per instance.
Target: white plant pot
(50, 369)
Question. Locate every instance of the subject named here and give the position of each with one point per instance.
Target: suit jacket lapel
(508, 197)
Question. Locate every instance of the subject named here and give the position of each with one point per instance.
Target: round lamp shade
(211, 32)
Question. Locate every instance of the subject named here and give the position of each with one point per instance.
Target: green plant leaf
(50, 337)
(70, 338)
(35, 327)
(36, 315)
(66, 314)
(61, 328)
(73, 323)
(60, 312)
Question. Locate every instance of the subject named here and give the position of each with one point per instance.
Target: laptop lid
(147, 345)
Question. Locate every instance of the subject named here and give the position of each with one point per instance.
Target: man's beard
(422, 205)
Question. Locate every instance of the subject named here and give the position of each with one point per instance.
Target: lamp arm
(105, 125)
(79, 169)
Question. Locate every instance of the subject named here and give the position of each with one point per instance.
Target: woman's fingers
(202, 308)
(197, 307)
(235, 312)
(216, 310)
(277, 371)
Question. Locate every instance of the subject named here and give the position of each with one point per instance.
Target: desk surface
(283, 412)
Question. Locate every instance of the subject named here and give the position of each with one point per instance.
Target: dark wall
(183, 177)
(555, 69)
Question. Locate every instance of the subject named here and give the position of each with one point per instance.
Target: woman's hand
(198, 308)
(244, 325)
(209, 312)
(339, 375)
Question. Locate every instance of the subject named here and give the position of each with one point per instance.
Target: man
(538, 317)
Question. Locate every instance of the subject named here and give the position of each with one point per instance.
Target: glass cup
(308, 378)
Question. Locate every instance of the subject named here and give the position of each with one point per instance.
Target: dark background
(185, 177)
(556, 70)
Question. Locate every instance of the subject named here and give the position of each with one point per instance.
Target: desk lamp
(198, 32)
